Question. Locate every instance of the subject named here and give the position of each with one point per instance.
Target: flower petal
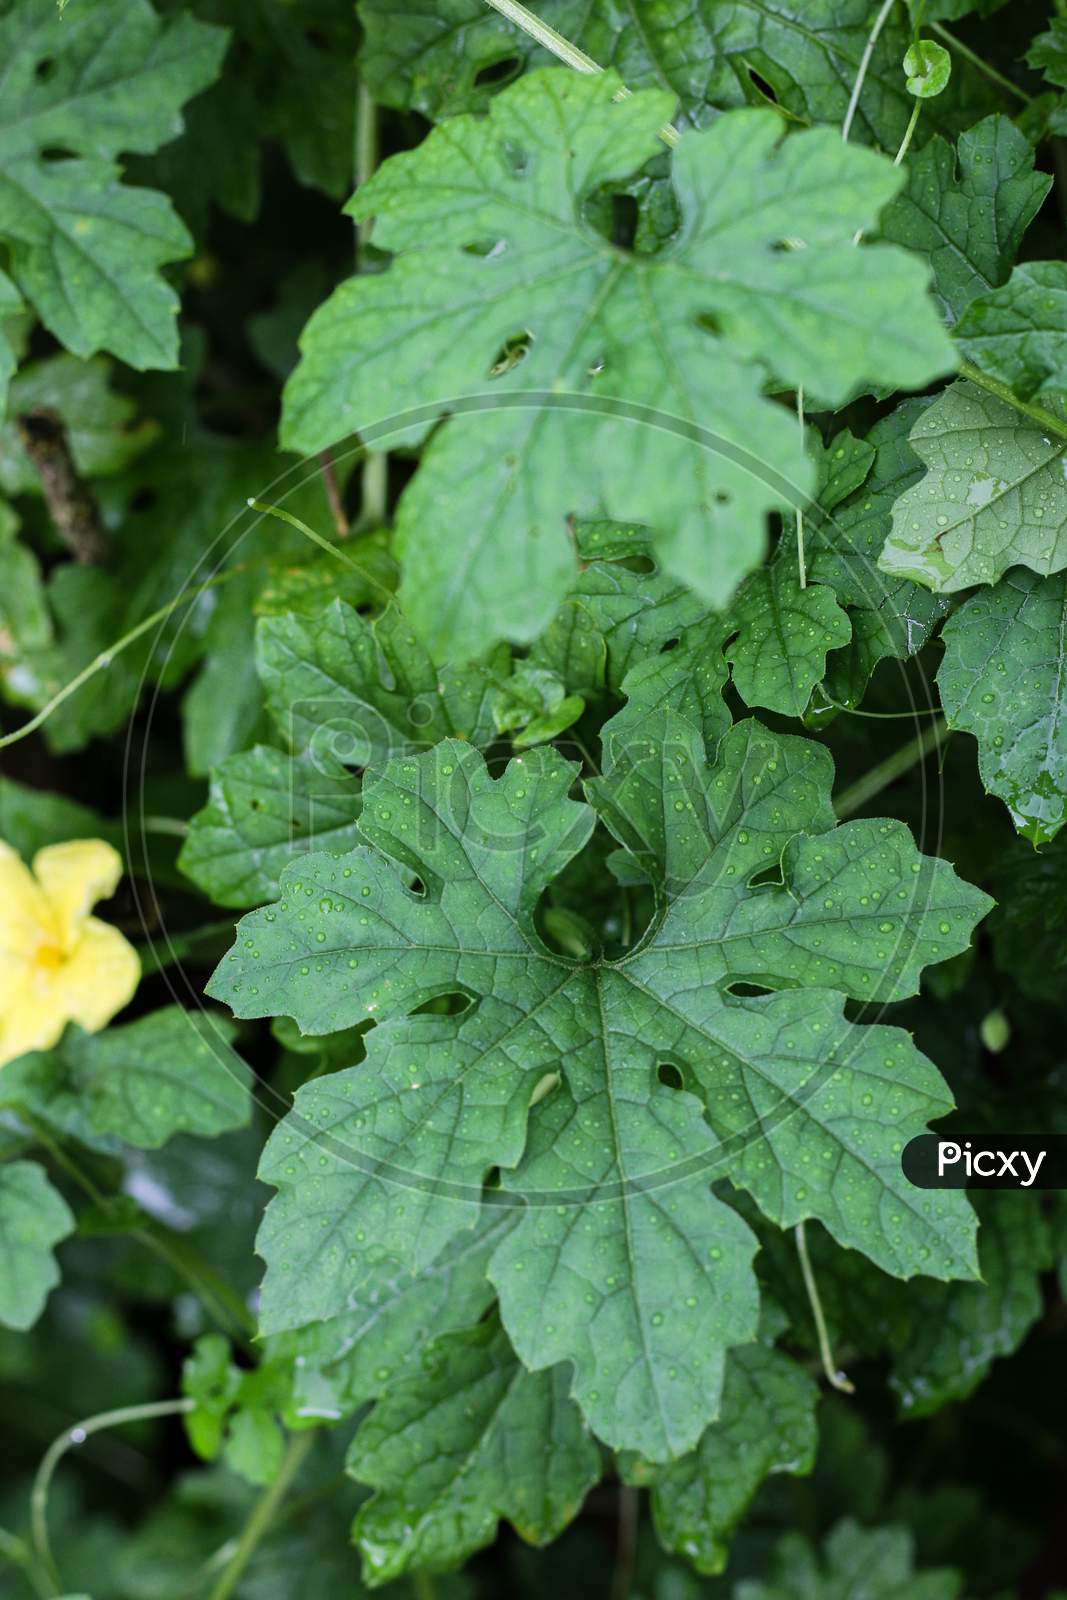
(25, 910)
(24, 919)
(31, 1016)
(74, 876)
(99, 976)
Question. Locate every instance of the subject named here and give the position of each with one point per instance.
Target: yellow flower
(57, 963)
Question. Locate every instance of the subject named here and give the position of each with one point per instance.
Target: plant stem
(181, 945)
(70, 501)
(802, 566)
(18, 1554)
(626, 1543)
(983, 66)
(566, 52)
(262, 1514)
(833, 1376)
(316, 538)
(865, 61)
(219, 1298)
(894, 766)
(902, 151)
(61, 1158)
(334, 497)
(1044, 419)
(222, 1301)
(909, 132)
(58, 1449)
(424, 1586)
(106, 657)
(374, 478)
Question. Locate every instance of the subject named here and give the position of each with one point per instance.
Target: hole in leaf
(517, 158)
(494, 74)
(144, 499)
(45, 68)
(624, 219)
(766, 875)
(444, 1005)
(57, 152)
(511, 353)
(763, 88)
(485, 247)
(746, 991)
(669, 1076)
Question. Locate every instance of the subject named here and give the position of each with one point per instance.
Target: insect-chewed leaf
(440, 61)
(380, 1166)
(592, 381)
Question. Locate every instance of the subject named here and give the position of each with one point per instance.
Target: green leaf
(33, 1218)
(1029, 926)
(810, 51)
(33, 818)
(994, 496)
(692, 333)
(452, 1450)
(142, 1082)
(928, 67)
(30, 668)
(360, 692)
(767, 1426)
(959, 1330)
(10, 303)
(688, 680)
(102, 427)
(255, 1446)
(170, 1072)
(1048, 54)
(439, 61)
(881, 1560)
(85, 249)
(1004, 679)
(966, 209)
(352, 1358)
(621, 609)
(379, 1166)
(435, 61)
(264, 810)
(1018, 333)
(783, 635)
(890, 617)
